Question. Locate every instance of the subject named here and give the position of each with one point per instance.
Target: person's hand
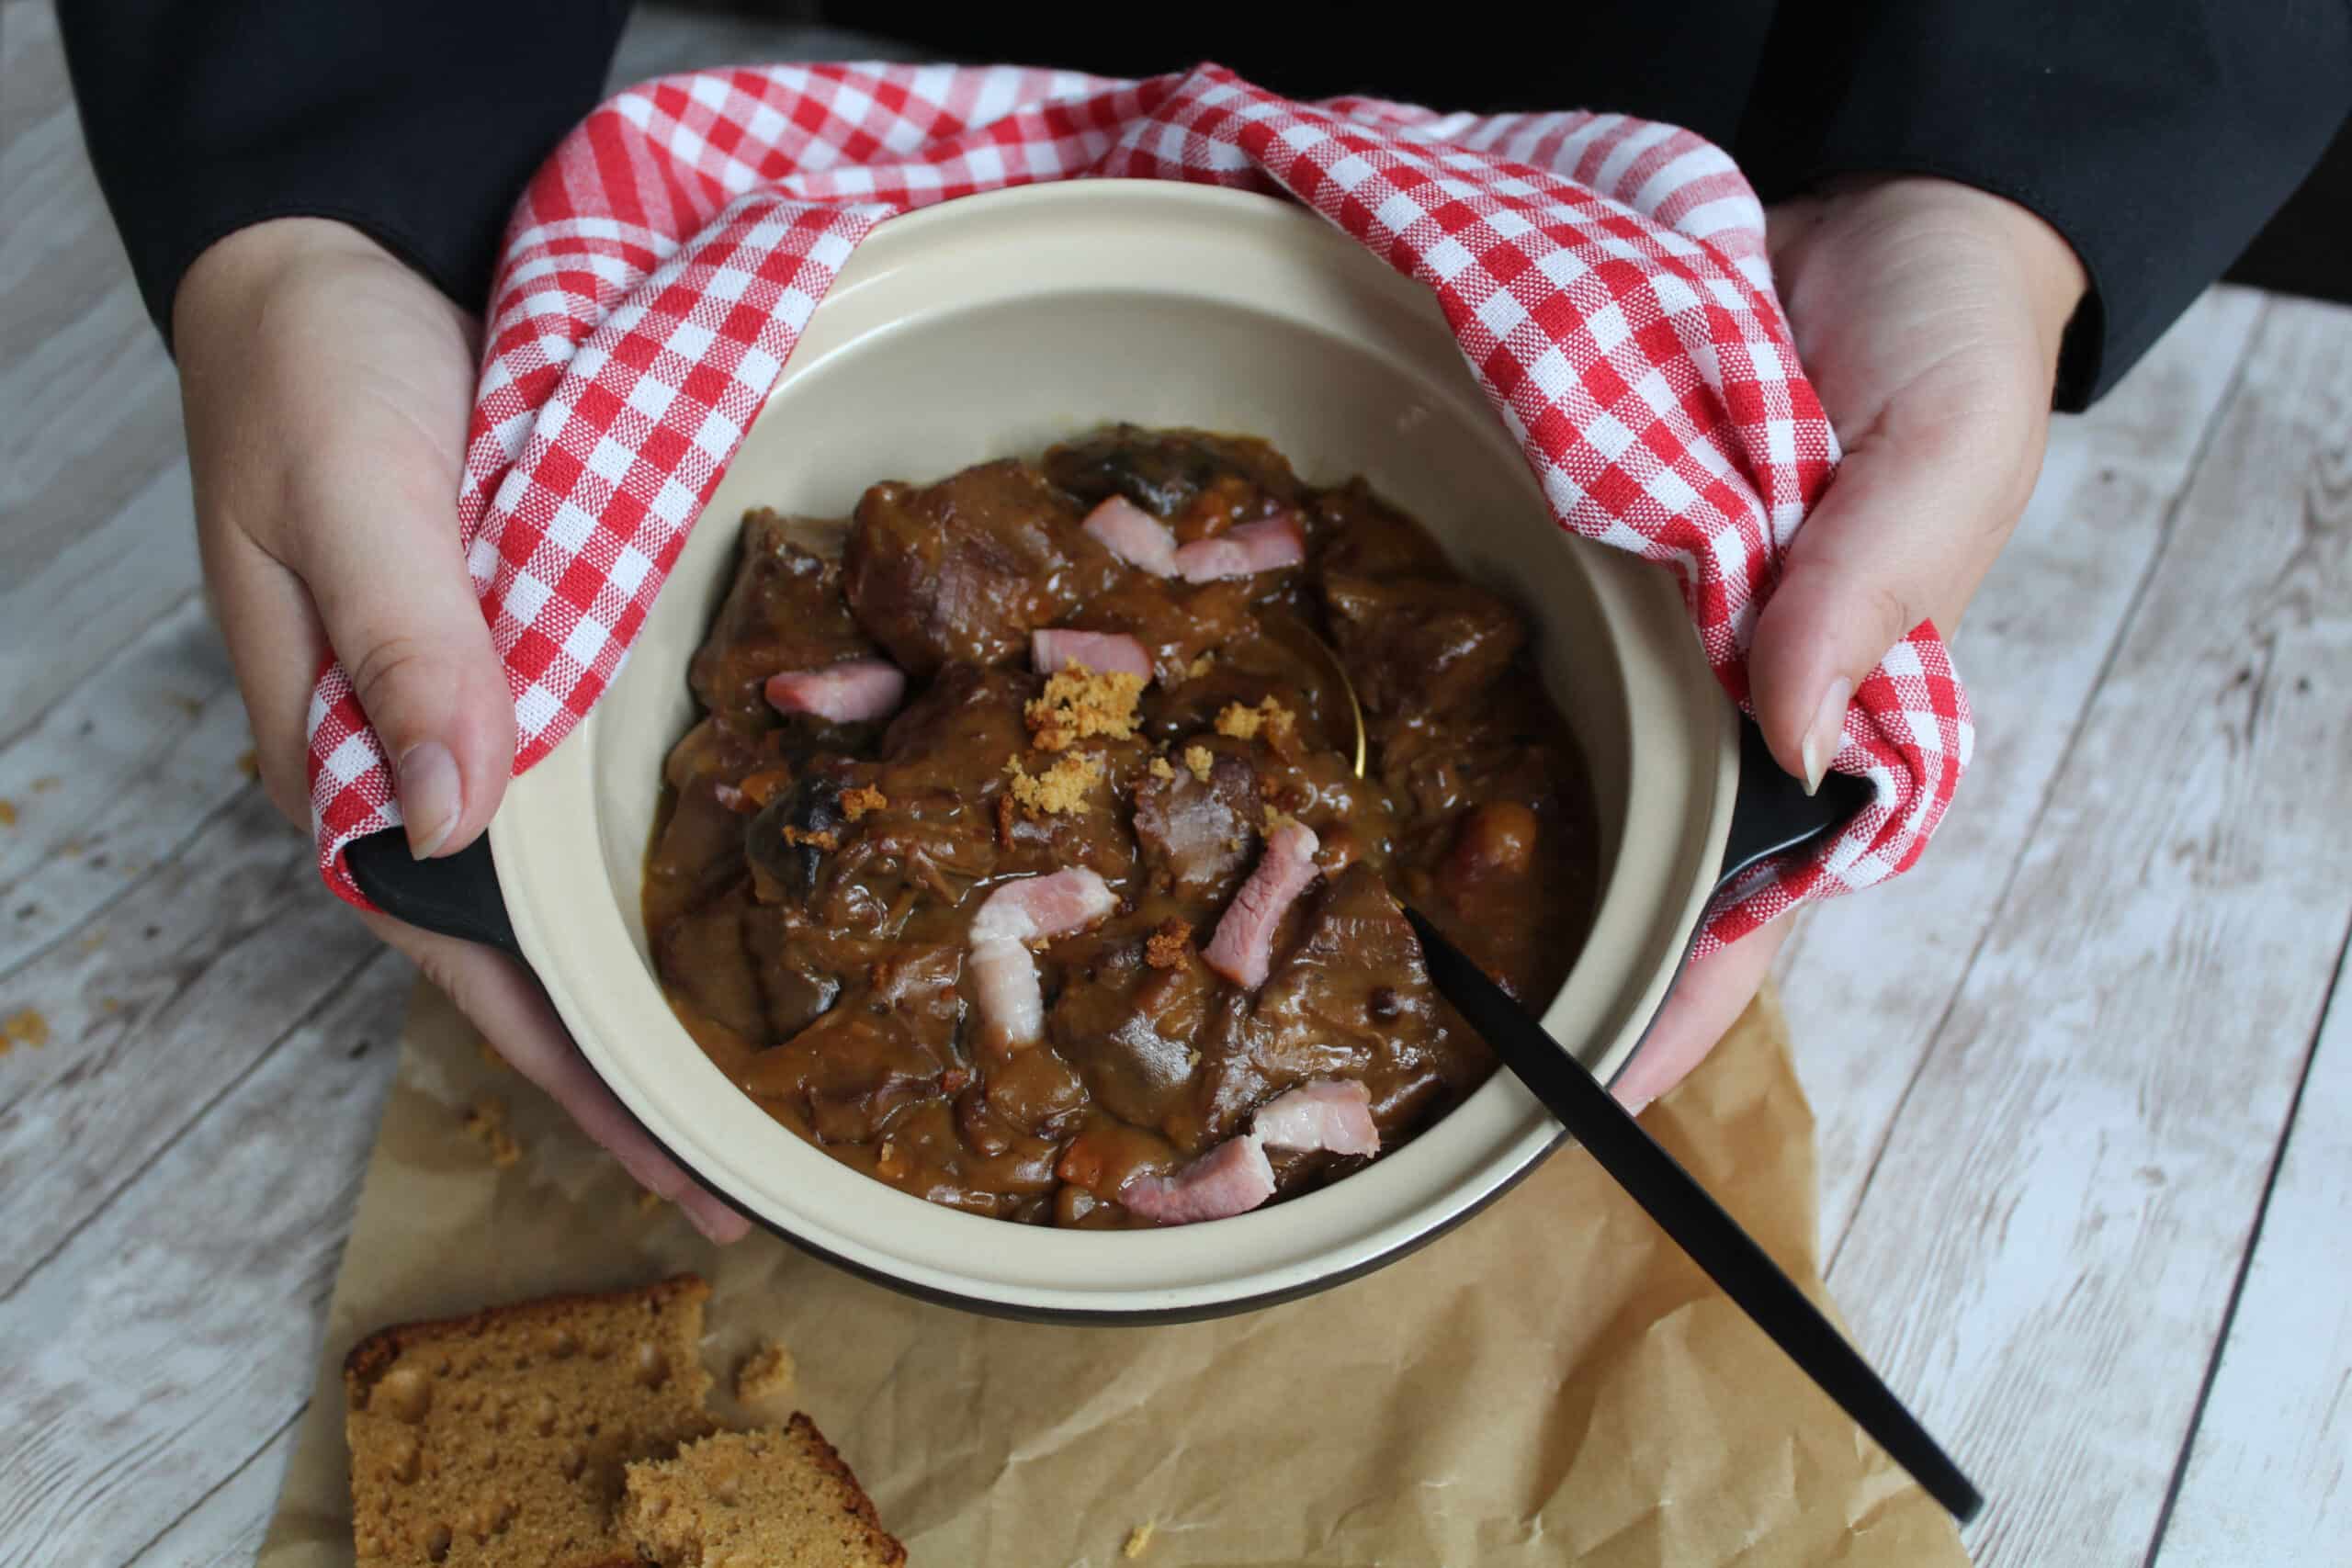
(1930, 316)
(326, 388)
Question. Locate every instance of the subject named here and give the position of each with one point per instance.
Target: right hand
(327, 387)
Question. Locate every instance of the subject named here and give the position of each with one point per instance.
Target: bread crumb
(486, 1125)
(1004, 811)
(8, 813)
(26, 1027)
(1160, 770)
(826, 838)
(1200, 759)
(1138, 1539)
(249, 763)
(1079, 704)
(490, 1054)
(856, 803)
(93, 940)
(1243, 724)
(765, 1374)
(1060, 788)
(1200, 667)
(46, 782)
(1166, 946)
(646, 1201)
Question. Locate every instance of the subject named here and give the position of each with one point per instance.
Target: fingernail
(1827, 733)
(432, 796)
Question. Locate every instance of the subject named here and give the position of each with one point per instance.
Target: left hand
(1930, 316)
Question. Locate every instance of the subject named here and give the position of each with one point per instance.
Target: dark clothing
(2155, 135)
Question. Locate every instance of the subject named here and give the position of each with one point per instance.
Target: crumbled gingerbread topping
(1200, 759)
(1243, 723)
(1166, 946)
(1160, 770)
(1200, 667)
(822, 839)
(1276, 818)
(856, 803)
(1005, 808)
(1060, 788)
(486, 1125)
(1079, 704)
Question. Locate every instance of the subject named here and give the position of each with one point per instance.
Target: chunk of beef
(1198, 835)
(964, 569)
(1128, 1028)
(1176, 623)
(1350, 999)
(704, 962)
(1363, 537)
(784, 611)
(886, 1045)
(1200, 483)
(1418, 645)
(699, 849)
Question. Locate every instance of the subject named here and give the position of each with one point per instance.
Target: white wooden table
(2085, 1109)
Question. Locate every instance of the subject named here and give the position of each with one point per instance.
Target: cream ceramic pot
(998, 325)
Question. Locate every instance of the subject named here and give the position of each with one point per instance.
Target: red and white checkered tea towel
(1606, 276)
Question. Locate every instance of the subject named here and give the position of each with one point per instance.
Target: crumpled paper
(1552, 1383)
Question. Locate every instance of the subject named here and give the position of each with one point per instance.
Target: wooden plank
(225, 1527)
(92, 482)
(166, 1002)
(115, 779)
(1868, 979)
(175, 1331)
(2048, 1243)
(2266, 1479)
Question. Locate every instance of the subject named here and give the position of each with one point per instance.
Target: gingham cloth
(1606, 277)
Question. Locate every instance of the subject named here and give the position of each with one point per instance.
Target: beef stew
(1019, 857)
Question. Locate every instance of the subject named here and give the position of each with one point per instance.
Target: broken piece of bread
(499, 1439)
(766, 1373)
(774, 1499)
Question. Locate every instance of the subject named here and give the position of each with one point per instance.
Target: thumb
(1905, 533)
(383, 564)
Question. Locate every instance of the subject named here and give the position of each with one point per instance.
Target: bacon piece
(1243, 949)
(1231, 1178)
(1135, 535)
(1003, 978)
(845, 693)
(1053, 649)
(1251, 547)
(1329, 1113)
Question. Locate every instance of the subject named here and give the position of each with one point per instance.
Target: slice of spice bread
(771, 1499)
(499, 1440)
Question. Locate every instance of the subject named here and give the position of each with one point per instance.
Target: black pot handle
(1772, 815)
(454, 896)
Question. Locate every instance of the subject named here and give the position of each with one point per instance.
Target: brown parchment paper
(1552, 1383)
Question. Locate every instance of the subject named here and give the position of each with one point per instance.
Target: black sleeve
(2157, 136)
(418, 122)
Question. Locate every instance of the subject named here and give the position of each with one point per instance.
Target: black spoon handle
(1697, 1223)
